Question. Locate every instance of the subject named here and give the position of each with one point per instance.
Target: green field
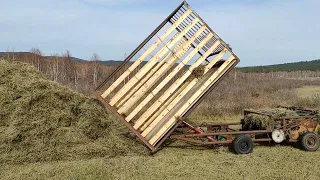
(308, 91)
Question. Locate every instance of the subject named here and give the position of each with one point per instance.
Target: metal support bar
(228, 133)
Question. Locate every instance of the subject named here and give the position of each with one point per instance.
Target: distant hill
(296, 66)
(25, 54)
(111, 63)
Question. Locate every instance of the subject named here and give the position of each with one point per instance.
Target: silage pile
(254, 121)
(41, 120)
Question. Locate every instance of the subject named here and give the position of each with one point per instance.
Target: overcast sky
(260, 32)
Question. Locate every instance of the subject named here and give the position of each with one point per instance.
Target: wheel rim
(311, 142)
(243, 146)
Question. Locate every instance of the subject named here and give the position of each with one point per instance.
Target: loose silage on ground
(41, 120)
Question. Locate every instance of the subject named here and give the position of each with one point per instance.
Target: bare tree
(95, 68)
(36, 58)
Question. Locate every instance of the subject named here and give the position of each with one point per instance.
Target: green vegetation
(296, 66)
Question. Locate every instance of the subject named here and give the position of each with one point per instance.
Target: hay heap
(41, 120)
(253, 121)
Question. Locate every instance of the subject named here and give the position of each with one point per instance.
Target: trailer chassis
(294, 128)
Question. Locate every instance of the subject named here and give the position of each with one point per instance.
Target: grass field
(181, 161)
(308, 91)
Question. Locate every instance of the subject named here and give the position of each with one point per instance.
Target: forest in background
(313, 65)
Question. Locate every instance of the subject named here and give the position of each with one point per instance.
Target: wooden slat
(176, 101)
(168, 101)
(179, 103)
(217, 74)
(176, 48)
(174, 86)
(145, 69)
(145, 54)
(164, 69)
(145, 78)
(159, 111)
(195, 96)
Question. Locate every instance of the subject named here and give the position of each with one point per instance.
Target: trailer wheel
(309, 141)
(242, 144)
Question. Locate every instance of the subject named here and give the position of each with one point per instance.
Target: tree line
(82, 77)
(296, 66)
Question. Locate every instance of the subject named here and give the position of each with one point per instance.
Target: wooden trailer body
(167, 76)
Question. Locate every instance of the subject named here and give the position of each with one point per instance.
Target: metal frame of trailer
(293, 127)
(155, 88)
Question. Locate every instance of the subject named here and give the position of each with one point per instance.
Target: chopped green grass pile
(41, 120)
(254, 121)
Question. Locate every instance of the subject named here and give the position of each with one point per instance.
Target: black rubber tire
(242, 144)
(309, 141)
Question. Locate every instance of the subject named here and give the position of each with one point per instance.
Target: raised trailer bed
(167, 76)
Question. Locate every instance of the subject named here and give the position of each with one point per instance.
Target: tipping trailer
(167, 76)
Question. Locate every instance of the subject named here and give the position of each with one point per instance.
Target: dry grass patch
(308, 91)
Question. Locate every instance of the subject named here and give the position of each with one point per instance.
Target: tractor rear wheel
(309, 141)
(242, 144)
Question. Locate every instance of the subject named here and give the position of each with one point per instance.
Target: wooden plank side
(176, 108)
(157, 113)
(177, 47)
(145, 78)
(213, 80)
(138, 95)
(175, 85)
(145, 69)
(145, 54)
(172, 105)
(161, 108)
(140, 74)
(195, 96)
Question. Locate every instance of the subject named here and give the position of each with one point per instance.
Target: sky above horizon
(260, 32)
